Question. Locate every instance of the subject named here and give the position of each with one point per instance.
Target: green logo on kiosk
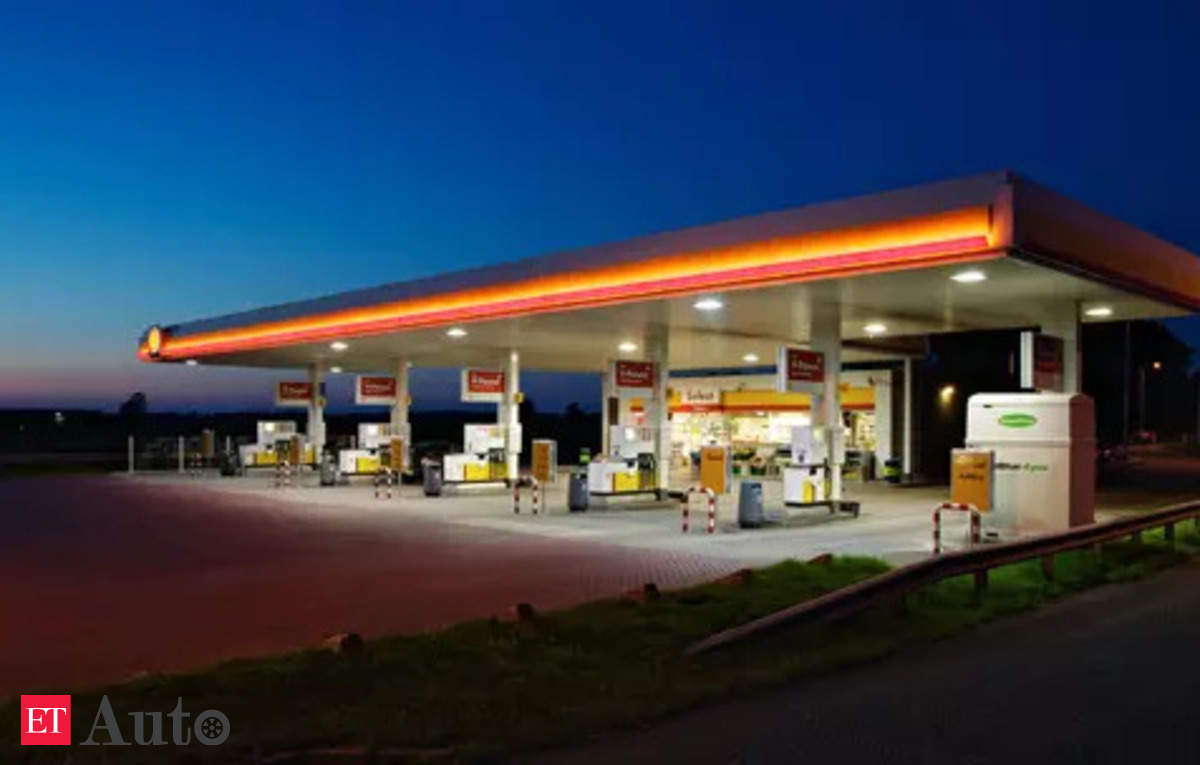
(1017, 420)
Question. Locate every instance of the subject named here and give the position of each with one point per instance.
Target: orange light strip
(954, 236)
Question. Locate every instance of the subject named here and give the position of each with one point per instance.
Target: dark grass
(486, 687)
(51, 469)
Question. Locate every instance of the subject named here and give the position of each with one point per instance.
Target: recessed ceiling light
(1099, 311)
(708, 304)
(875, 328)
(627, 347)
(456, 332)
(336, 370)
(969, 277)
(750, 358)
(338, 345)
(191, 362)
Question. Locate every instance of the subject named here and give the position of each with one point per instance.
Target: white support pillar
(399, 416)
(658, 411)
(1062, 321)
(316, 411)
(906, 467)
(508, 414)
(827, 339)
(180, 448)
(604, 423)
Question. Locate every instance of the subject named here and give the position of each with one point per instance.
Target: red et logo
(45, 720)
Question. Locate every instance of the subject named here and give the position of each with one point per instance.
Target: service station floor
(894, 523)
(115, 576)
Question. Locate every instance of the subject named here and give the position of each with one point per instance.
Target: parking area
(123, 575)
(894, 523)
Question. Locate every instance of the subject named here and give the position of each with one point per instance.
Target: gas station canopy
(983, 252)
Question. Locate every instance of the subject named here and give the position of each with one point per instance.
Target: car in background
(1145, 437)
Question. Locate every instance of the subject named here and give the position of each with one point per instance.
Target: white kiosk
(263, 451)
(806, 476)
(1044, 447)
(629, 466)
(482, 459)
(366, 458)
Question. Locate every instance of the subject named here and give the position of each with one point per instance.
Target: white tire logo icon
(211, 728)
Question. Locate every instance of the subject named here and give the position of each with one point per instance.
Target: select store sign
(482, 385)
(799, 369)
(293, 393)
(378, 391)
(633, 378)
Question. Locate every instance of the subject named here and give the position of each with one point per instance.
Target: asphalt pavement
(1109, 676)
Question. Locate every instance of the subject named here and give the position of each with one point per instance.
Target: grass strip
(487, 687)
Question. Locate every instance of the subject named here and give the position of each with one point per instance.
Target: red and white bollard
(712, 508)
(283, 474)
(975, 519)
(383, 483)
(537, 495)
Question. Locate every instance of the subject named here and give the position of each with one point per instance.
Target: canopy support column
(508, 413)
(906, 466)
(399, 415)
(316, 410)
(1063, 322)
(827, 408)
(658, 410)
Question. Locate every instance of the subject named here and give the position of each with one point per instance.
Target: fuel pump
(647, 468)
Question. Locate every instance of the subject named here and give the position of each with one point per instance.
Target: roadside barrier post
(129, 447)
(180, 442)
(383, 482)
(712, 508)
(283, 474)
(974, 516)
(537, 494)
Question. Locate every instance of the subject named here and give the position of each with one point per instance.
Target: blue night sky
(168, 161)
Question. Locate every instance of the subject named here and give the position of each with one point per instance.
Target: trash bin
(577, 492)
(750, 505)
(432, 478)
(329, 469)
(891, 470)
(229, 466)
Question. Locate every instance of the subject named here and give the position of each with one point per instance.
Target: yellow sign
(971, 478)
(367, 464)
(714, 468)
(544, 462)
(396, 454)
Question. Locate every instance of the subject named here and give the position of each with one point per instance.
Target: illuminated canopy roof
(886, 258)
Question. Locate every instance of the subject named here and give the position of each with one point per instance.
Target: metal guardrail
(978, 561)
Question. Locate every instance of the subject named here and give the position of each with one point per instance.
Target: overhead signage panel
(799, 370)
(633, 378)
(375, 391)
(482, 385)
(293, 393)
